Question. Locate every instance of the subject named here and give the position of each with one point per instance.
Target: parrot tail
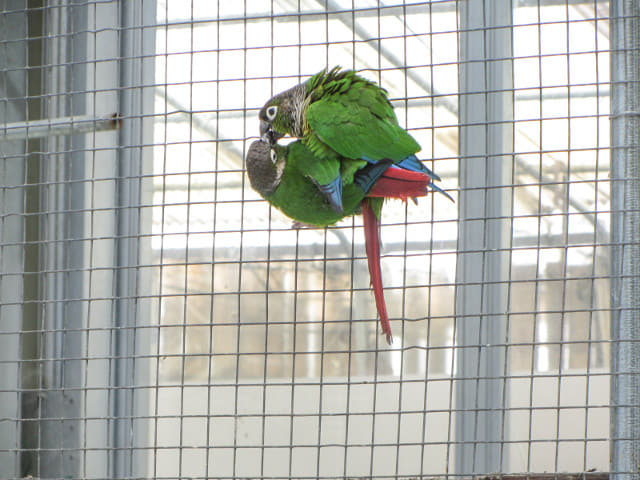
(372, 246)
(412, 163)
(399, 183)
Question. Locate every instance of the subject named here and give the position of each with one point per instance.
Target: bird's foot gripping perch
(372, 246)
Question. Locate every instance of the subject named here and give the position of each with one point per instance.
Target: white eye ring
(271, 112)
(274, 157)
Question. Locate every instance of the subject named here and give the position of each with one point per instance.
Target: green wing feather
(322, 172)
(353, 117)
(326, 170)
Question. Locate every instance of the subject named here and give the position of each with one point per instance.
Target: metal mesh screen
(159, 320)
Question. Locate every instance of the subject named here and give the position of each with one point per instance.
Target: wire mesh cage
(158, 319)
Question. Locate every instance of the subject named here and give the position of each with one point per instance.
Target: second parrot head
(265, 166)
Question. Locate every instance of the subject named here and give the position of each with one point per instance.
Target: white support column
(625, 238)
(486, 158)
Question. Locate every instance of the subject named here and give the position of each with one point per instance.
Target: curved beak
(268, 134)
(264, 128)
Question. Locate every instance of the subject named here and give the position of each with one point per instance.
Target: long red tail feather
(372, 246)
(401, 184)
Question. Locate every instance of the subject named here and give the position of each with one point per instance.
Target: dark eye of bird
(271, 112)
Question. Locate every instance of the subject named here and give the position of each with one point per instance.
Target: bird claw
(296, 225)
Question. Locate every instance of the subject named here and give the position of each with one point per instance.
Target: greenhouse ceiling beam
(368, 12)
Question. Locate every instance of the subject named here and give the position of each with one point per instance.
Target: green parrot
(340, 115)
(279, 174)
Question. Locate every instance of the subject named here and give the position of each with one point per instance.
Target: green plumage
(321, 170)
(340, 113)
(354, 118)
(278, 174)
(349, 137)
(294, 194)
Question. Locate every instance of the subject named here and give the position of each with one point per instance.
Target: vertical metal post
(63, 256)
(13, 91)
(486, 146)
(625, 238)
(132, 341)
(32, 320)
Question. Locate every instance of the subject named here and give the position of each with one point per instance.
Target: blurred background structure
(159, 320)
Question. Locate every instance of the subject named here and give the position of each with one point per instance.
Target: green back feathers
(337, 81)
(352, 116)
(322, 172)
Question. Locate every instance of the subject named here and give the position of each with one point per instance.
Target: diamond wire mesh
(160, 321)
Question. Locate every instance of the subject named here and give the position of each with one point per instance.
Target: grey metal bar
(625, 233)
(13, 88)
(484, 233)
(50, 127)
(62, 319)
(32, 318)
(137, 70)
